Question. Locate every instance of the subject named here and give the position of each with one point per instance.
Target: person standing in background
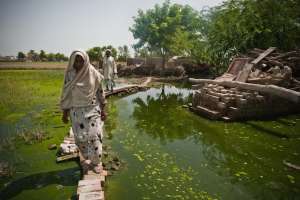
(109, 70)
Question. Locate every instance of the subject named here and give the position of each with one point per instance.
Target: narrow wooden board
(67, 157)
(263, 55)
(94, 176)
(244, 74)
(89, 188)
(92, 196)
(89, 182)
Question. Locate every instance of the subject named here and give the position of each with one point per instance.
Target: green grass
(29, 105)
(32, 65)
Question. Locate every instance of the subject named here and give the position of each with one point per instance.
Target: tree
(141, 52)
(160, 27)
(43, 56)
(51, 57)
(123, 53)
(240, 25)
(33, 56)
(21, 55)
(60, 57)
(95, 53)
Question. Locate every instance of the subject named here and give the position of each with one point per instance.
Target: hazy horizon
(65, 25)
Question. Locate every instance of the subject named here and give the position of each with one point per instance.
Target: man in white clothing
(109, 70)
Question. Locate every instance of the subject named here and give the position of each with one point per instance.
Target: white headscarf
(81, 90)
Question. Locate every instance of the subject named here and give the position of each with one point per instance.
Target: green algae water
(169, 152)
(173, 154)
(28, 104)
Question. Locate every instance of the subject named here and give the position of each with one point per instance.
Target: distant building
(8, 58)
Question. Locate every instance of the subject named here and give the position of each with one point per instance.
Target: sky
(65, 25)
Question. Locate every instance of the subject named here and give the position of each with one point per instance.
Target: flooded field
(169, 152)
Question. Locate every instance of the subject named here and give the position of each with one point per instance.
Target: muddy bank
(176, 67)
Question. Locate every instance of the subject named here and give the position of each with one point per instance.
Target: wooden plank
(89, 188)
(244, 74)
(94, 176)
(263, 55)
(236, 65)
(67, 157)
(89, 182)
(92, 196)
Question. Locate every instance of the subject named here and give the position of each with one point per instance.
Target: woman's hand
(103, 115)
(65, 116)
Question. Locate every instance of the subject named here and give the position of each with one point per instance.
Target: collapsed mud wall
(257, 86)
(232, 103)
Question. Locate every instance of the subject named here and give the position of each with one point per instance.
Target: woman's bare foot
(97, 168)
(86, 165)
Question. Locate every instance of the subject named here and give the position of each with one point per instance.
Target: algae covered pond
(169, 152)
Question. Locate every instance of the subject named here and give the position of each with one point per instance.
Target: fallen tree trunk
(284, 93)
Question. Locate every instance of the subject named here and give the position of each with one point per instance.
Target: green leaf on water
(238, 174)
(138, 157)
(291, 178)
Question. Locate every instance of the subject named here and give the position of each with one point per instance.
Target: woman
(83, 101)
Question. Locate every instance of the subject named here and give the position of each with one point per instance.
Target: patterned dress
(88, 127)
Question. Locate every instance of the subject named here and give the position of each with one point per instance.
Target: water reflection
(67, 177)
(232, 160)
(111, 121)
(161, 116)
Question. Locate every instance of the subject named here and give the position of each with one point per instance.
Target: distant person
(109, 70)
(83, 100)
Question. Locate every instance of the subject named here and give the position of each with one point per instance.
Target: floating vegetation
(34, 136)
(161, 176)
(110, 160)
(6, 169)
(7, 143)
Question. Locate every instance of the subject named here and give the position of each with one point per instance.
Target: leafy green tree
(215, 35)
(33, 56)
(240, 25)
(42, 55)
(51, 57)
(60, 57)
(95, 53)
(21, 55)
(141, 52)
(167, 29)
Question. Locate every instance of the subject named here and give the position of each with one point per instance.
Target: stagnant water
(169, 152)
(174, 154)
